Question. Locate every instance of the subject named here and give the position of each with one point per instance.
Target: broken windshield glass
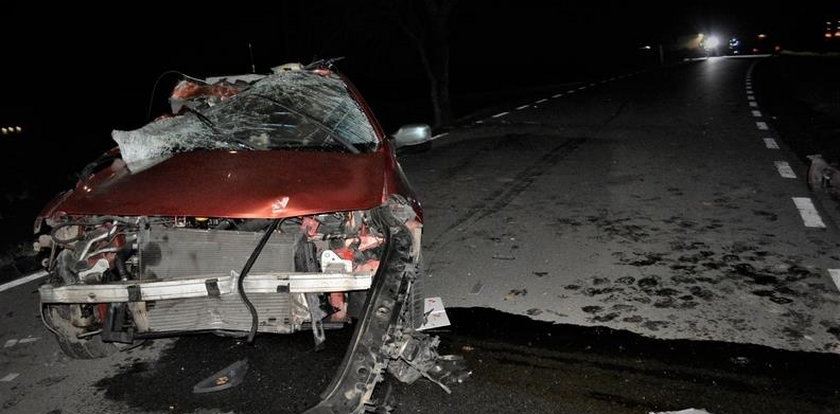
(296, 110)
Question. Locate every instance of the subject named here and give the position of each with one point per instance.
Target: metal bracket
(134, 294)
(213, 288)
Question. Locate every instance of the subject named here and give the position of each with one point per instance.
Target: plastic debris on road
(229, 377)
(434, 314)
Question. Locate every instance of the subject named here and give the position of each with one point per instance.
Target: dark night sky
(74, 65)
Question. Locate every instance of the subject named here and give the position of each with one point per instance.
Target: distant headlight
(711, 42)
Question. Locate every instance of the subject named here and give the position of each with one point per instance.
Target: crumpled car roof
(320, 96)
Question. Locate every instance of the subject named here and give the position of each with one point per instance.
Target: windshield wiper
(341, 140)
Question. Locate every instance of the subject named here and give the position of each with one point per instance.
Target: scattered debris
(476, 289)
(434, 314)
(229, 377)
(514, 293)
(502, 257)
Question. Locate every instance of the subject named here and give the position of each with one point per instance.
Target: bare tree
(426, 23)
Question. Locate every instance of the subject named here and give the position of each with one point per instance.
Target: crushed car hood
(234, 184)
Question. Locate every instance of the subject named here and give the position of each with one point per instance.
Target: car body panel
(244, 184)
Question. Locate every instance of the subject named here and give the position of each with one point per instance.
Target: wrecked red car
(273, 204)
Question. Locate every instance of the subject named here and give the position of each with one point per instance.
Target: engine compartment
(311, 272)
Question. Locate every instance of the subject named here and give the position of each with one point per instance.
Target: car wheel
(66, 322)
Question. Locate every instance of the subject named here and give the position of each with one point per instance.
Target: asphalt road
(624, 246)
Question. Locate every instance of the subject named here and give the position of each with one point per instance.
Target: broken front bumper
(207, 286)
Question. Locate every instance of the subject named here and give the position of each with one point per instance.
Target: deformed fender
(366, 358)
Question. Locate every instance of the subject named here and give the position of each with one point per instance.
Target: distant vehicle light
(711, 42)
(762, 35)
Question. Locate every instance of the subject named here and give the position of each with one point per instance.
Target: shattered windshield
(297, 110)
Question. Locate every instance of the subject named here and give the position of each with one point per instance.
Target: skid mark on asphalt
(504, 195)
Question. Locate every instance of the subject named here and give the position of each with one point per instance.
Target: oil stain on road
(518, 365)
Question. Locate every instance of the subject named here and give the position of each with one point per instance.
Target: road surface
(633, 244)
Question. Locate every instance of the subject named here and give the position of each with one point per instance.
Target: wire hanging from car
(240, 281)
(157, 81)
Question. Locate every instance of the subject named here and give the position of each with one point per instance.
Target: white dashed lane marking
(10, 377)
(10, 343)
(750, 98)
(784, 169)
(753, 104)
(771, 143)
(756, 114)
(519, 108)
(809, 213)
(581, 88)
(541, 101)
(557, 95)
(835, 276)
(500, 114)
(761, 125)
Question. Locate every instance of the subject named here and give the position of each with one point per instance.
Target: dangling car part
(277, 207)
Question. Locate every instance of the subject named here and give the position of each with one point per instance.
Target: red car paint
(244, 184)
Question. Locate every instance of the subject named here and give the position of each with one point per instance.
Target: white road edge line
(761, 125)
(771, 143)
(441, 135)
(835, 276)
(809, 213)
(756, 114)
(519, 108)
(23, 280)
(542, 100)
(784, 169)
(500, 114)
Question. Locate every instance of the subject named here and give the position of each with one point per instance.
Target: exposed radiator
(173, 252)
(168, 253)
(223, 313)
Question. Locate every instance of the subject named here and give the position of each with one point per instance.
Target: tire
(60, 319)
